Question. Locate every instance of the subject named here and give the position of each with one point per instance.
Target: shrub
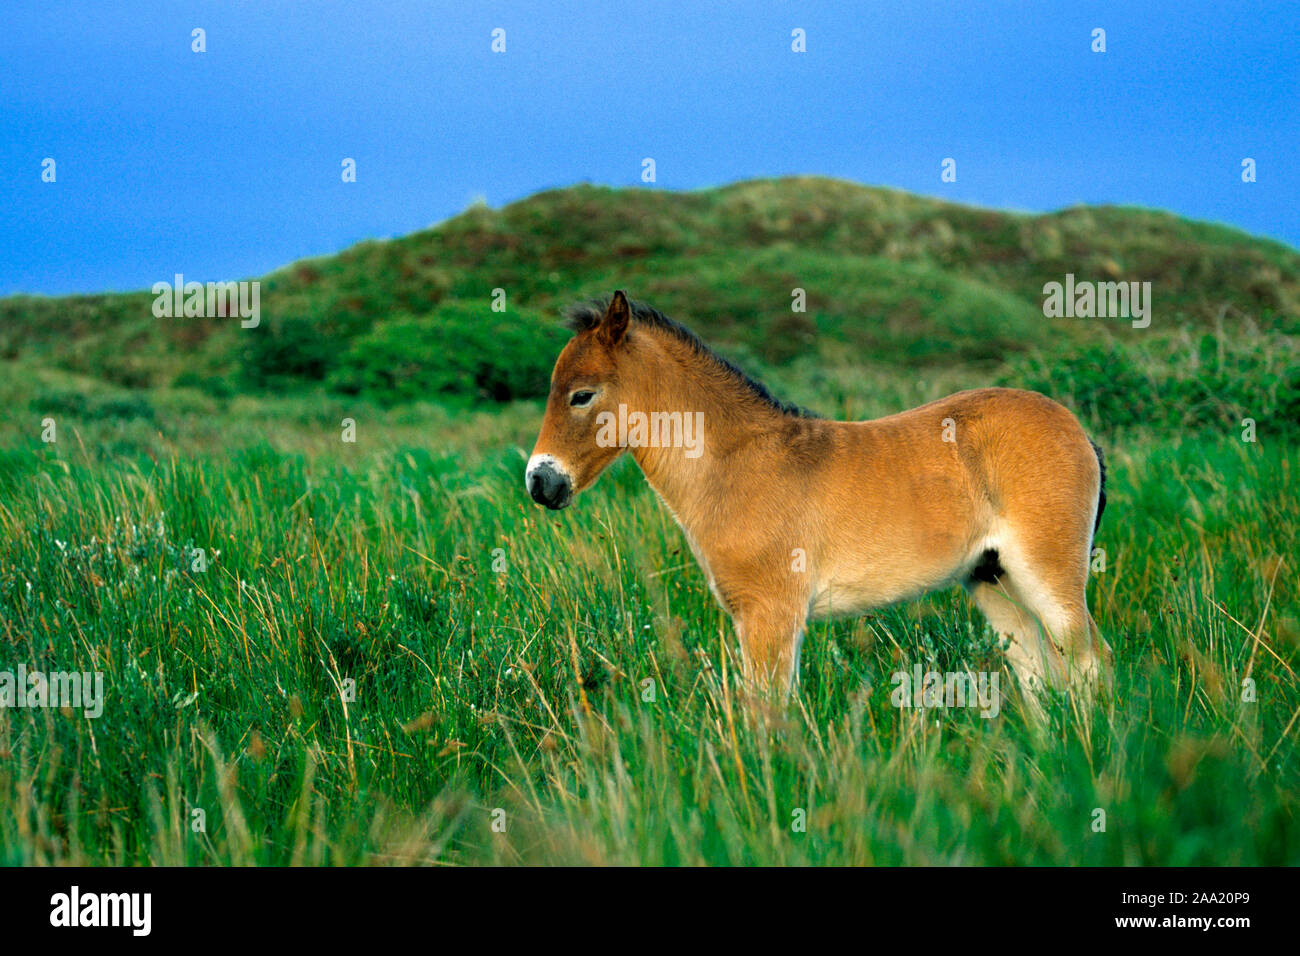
(283, 350)
(218, 386)
(1174, 383)
(459, 351)
(95, 407)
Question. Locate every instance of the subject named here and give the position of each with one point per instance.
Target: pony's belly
(845, 599)
(847, 596)
(841, 602)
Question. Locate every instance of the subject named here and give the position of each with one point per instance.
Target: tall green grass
(568, 677)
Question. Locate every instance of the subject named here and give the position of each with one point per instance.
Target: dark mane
(587, 315)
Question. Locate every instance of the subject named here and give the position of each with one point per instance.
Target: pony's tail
(1101, 488)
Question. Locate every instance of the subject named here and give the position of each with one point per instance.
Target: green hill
(901, 277)
(890, 279)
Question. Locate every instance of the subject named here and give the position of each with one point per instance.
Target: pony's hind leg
(1105, 656)
(1050, 586)
(1034, 660)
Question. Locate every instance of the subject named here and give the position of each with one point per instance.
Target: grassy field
(394, 656)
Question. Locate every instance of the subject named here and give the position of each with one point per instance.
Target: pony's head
(567, 457)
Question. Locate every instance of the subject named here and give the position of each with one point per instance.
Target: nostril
(548, 486)
(537, 487)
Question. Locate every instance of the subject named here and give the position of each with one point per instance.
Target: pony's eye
(581, 399)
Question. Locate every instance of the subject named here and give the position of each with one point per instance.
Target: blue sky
(226, 164)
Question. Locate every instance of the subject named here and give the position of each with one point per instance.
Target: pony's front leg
(770, 637)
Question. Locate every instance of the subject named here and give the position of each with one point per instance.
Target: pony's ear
(613, 327)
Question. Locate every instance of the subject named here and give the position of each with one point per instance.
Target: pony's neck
(727, 414)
